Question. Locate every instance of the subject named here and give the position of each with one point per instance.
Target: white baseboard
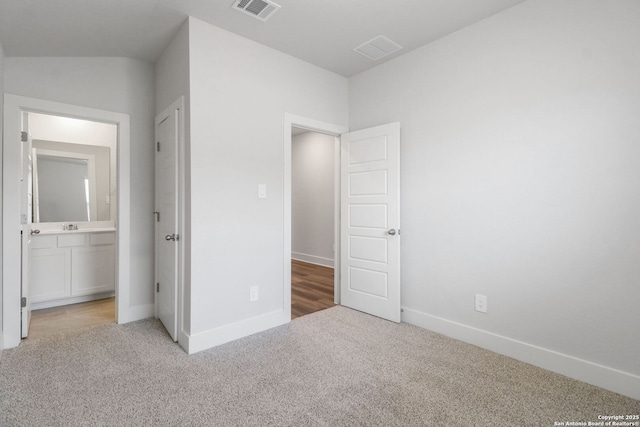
(327, 262)
(72, 300)
(208, 339)
(592, 373)
(138, 312)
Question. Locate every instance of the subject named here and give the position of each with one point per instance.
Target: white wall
(172, 82)
(520, 181)
(172, 70)
(240, 91)
(312, 197)
(120, 85)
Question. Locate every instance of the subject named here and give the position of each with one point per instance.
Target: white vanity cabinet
(71, 267)
(50, 269)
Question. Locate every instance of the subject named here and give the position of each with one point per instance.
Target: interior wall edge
(223, 334)
(139, 312)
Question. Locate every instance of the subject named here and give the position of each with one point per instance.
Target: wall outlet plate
(262, 191)
(253, 293)
(481, 303)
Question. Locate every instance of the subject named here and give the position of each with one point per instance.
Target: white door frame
(292, 120)
(178, 104)
(14, 105)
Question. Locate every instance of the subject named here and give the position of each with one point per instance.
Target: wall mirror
(73, 165)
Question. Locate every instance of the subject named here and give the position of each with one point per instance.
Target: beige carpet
(336, 367)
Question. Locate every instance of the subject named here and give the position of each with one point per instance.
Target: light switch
(262, 191)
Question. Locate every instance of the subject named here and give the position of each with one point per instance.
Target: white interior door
(26, 203)
(166, 230)
(370, 221)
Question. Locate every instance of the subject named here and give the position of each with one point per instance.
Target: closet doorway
(313, 200)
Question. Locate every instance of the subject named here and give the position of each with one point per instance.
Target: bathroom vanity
(70, 266)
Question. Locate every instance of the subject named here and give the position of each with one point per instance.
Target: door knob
(392, 232)
(173, 237)
(35, 231)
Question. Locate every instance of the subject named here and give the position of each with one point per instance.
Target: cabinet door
(93, 270)
(50, 274)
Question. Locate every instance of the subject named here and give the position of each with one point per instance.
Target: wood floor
(50, 321)
(311, 288)
(311, 291)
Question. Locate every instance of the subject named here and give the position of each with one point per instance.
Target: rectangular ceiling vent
(378, 47)
(260, 9)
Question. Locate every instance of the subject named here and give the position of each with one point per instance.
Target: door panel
(373, 249)
(370, 282)
(370, 183)
(370, 221)
(26, 198)
(166, 246)
(368, 216)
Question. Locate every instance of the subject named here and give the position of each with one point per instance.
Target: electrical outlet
(262, 191)
(253, 293)
(481, 303)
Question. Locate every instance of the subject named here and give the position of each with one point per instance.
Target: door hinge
(23, 302)
(23, 136)
(158, 146)
(158, 287)
(157, 214)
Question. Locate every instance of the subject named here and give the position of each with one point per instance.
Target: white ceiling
(322, 32)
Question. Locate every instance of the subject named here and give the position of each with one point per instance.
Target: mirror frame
(91, 172)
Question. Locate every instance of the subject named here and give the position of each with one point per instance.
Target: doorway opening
(99, 246)
(318, 259)
(367, 216)
(70, 208)
(313, 199)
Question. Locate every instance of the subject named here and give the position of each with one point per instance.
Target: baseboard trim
(611, 379)
(326, 262)
(72, 300)
(223, 334)
(138, 312)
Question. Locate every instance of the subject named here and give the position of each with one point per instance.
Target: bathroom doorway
(70, 208)
(100, 245)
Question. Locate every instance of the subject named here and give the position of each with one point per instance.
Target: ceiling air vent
(378, 47)
(260, 9)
